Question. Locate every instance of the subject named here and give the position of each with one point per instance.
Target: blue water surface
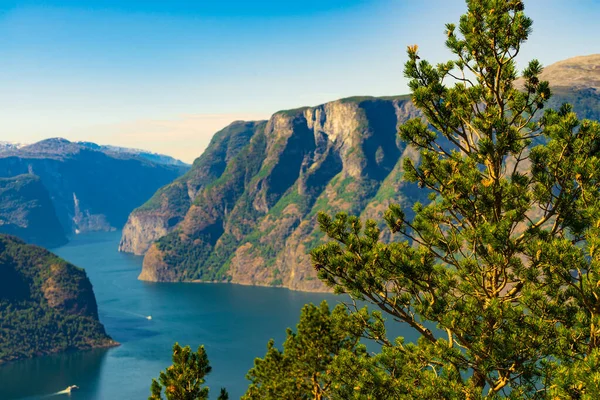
(234, 323)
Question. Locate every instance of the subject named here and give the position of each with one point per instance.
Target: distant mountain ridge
(91, 187)
(576, 81)
(246, 211)
(9, 146)
(59, 146)
(581, 72)
(150, 156)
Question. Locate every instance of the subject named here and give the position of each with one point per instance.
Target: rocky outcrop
(91, 188)
(46, 304)
(26, 210)
(157, 269)
(141, 230)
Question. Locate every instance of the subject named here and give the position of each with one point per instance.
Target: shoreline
(240, 284)
(104, 346)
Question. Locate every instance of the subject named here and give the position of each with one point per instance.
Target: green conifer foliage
(303, 370)
(184, 379)
(504, 261)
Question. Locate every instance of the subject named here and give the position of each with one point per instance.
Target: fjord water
(233, 322)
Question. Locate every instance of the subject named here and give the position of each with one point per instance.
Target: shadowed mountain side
(91, 189)
(26, 211)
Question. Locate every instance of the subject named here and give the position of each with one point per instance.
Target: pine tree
(303, 370)
(223, 395)
(499, 274)
(184, 379)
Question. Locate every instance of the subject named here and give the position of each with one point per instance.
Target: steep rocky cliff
(255, 222)
(27, 211)
(46, 304)
(91, 187)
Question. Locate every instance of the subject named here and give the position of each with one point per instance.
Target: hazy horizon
(166, 77)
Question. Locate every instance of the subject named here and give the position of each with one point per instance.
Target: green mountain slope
(168, 205)
(46, 304)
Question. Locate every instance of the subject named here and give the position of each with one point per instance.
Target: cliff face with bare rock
(246, 213)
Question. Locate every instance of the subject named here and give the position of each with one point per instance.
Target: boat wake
(67, 391)
(148, 317)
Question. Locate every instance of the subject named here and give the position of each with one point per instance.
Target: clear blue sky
(164, 75)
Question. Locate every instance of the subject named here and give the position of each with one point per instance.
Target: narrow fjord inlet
(234, 323)
(415, 225)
